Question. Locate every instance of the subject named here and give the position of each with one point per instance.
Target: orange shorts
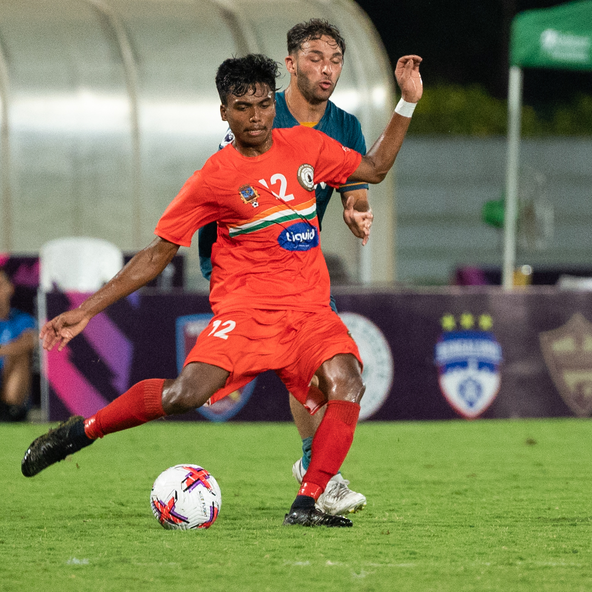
(293, 343)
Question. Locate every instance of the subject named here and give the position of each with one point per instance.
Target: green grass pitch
(452, 506)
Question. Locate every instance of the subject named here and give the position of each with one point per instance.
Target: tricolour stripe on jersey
(277, 215)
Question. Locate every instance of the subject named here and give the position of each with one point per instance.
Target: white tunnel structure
(108, 106)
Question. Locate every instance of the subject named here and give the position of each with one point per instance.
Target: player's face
(250, 117)
(317, 67)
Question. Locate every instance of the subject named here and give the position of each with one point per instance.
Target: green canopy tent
(561, 38)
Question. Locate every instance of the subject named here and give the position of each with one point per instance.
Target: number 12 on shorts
(222, 328)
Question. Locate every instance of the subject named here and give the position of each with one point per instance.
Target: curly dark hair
(313, 29)
(238, 76)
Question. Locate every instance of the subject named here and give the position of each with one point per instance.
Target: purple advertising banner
(428, 355)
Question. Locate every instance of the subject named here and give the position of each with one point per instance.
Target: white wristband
(404, 108)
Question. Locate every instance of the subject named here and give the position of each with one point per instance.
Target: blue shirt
(13, 327)
(337, 124)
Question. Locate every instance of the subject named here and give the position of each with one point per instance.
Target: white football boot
(338, 498)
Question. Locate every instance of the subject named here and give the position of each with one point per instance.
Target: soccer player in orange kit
(270, 284)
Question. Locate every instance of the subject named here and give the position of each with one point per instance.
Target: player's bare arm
(380, 158)
(357, 213)
(23, 344)
(141, 269)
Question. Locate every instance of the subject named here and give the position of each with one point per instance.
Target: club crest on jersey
(468, 362)
(306, 176)
(249, 195)
(299, 237)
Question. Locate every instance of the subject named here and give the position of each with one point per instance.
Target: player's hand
(63, 328)
(358, 216)
(409, 78)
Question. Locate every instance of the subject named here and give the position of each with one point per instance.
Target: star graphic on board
(467, 320)
(448, 322)
(485, 322)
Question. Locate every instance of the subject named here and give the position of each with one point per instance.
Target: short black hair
(238, 76)
(313, 29)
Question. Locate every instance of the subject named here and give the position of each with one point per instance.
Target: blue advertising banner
(428, 355)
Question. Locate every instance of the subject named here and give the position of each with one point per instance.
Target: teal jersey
(337, 124)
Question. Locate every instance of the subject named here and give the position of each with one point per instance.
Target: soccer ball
(185, 497)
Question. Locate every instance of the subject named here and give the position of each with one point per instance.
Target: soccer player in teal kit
(316, 51)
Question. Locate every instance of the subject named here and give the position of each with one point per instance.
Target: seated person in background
(17, 341)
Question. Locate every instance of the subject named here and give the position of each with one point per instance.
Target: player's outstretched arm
(140, 270)
(357, 213)
(381, 157)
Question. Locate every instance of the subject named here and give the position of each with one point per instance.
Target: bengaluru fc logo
(468, 360)
(567, 351)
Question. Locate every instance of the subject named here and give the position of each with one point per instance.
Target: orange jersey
(267, 254)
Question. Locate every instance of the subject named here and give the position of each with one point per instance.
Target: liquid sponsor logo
(299, 237)
(468, 362)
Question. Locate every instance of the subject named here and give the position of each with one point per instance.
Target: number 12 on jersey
(227, 327)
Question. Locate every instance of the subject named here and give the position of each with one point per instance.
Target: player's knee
(340, 378)
(347, 388)
(180, 397)
(192, 388)
(356, 389)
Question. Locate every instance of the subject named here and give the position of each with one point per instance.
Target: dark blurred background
(466, 42)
